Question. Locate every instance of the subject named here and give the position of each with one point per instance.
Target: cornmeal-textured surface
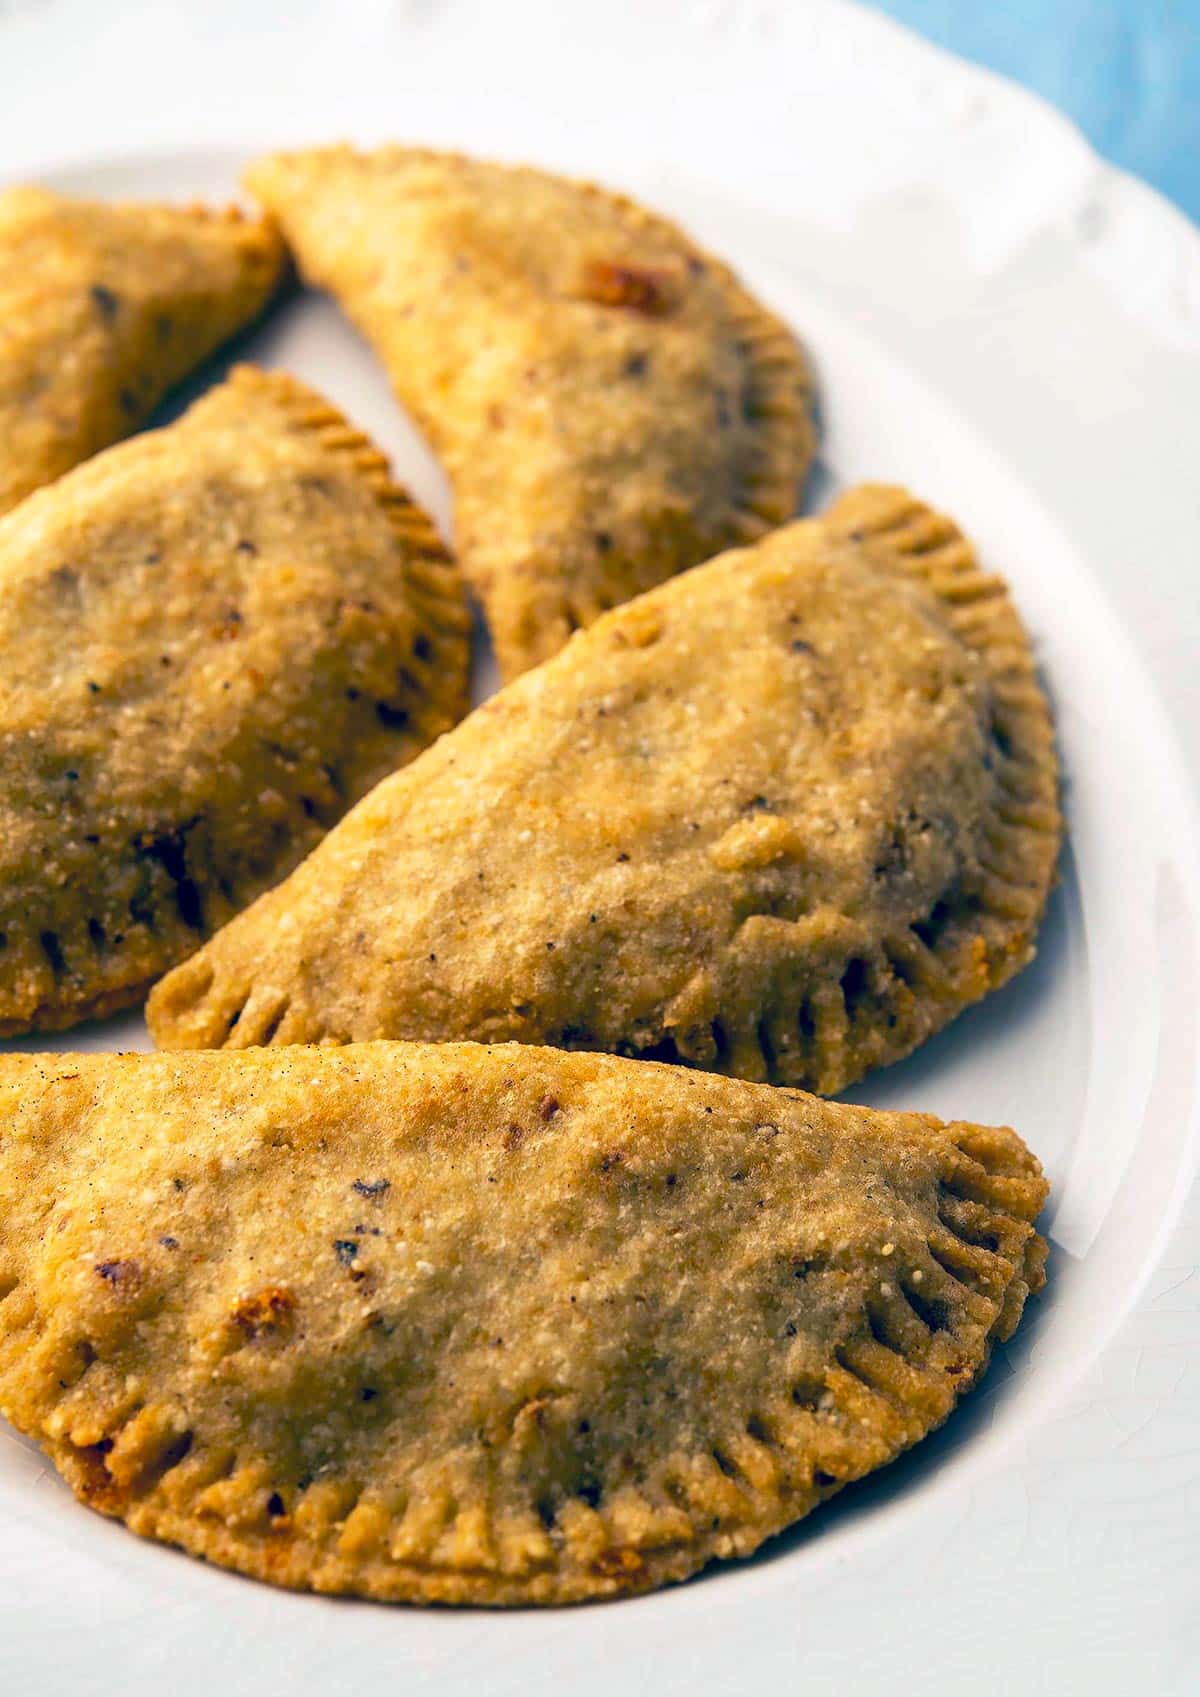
(102, 309)
(610, 403)
(783, 817)
(506, 1325)
(213, 639)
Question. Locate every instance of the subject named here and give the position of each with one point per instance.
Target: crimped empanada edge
(1021, 841)
(981, 1262)
(263, 241)
(439, 674)
(878, 997)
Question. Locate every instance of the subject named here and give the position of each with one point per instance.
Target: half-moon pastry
(611, 404)
(455, 1324)
(782, 817)
(103, 308)
(213, 639)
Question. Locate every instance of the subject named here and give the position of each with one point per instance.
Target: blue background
(1127, 71)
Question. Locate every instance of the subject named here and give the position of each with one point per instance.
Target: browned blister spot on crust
(652, 290)
(624, 1565)
(91, 1480)
(265, 1312)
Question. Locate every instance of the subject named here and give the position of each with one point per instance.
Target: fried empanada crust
(215, 638)
(103, 308)
(609, 401)
(505, 1325)
(782, 817)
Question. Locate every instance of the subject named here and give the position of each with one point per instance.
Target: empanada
(611, 404)
(469, 1325)
(213, 639)
(102, 309)
(783, 817)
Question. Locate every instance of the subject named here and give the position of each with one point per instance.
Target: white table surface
(836, 125)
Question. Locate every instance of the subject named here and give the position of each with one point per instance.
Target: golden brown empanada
(781, 817)
(213, 639)
(469, 1325)
(610, 403)
(102, 309)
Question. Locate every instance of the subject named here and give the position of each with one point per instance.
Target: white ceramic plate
(1091, 1053)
